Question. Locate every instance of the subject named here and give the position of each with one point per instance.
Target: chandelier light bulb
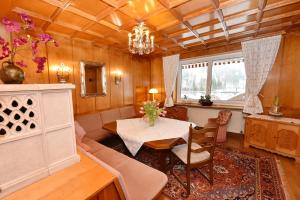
(139, 41)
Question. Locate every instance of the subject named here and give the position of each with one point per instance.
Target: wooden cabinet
(279, 135)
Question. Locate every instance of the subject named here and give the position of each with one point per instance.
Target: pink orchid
(19, 41)
(44, 37)
(2, 41)
(34, 46)
(27, 20)
(40, 61)
(5, 50)
(11, 26)
(21, 63)
(23, 37)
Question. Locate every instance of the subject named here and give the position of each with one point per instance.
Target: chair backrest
(207, 143)
(224, 117)
(177, 112)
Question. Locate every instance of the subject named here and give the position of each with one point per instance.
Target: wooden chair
(222, 121)
(177, 112)
(198, 152)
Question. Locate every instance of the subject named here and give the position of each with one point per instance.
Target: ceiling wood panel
(178, 25)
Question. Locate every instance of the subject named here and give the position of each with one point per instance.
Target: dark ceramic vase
(11, 74)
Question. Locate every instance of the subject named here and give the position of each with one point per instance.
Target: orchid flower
(27, 20)
(19, 41)
(11, 26)
(40, 61)
(5, 48)
(21, 63)
(23, 37)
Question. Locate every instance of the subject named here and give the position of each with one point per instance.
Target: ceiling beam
(106, 12)
(259, 16)
(180, 19)
(220, 16)
(56, 13)
(234, 15)
(247, 24)
(211, 9)
(81, 13)
(48, 19)
(117, 4)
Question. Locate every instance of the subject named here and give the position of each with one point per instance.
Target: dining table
(162, 146)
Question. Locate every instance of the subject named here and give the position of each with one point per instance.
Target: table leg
(163, 160)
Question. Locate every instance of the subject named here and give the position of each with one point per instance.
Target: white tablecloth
(135, 132)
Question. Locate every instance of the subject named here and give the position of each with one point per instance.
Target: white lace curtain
(259, 58)
(170, 67)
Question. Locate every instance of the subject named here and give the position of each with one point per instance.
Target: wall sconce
(62, 73)
(153, 91)
(118, 77)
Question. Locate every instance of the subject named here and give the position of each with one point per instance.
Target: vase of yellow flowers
(151, 112)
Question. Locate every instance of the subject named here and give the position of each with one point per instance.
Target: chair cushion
(181, 152)
(110, 115)
(127, 112)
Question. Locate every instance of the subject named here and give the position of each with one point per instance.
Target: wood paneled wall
(157, 80)
(283, 80)
(135, 78)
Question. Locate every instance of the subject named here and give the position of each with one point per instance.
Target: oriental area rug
(237, 175)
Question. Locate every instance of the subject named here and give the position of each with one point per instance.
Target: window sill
(197, 105)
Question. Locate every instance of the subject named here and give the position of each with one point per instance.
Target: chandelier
(139, 41)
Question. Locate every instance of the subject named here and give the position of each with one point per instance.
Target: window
(223, 77)
(194, 78)
(228, 79)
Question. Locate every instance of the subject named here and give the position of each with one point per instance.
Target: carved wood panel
(275, 136)
(258, 133)
(287, 139)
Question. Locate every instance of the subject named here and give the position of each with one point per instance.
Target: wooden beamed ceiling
(178, 25)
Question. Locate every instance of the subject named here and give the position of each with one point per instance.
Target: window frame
(210, 60)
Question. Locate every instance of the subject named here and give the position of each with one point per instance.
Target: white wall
(200, 116)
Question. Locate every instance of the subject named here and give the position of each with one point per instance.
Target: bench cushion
(127, 112)
(145, 184)
(92, 124)
(110, 115)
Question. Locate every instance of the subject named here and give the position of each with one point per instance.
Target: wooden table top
(77, 182)
(157, 144)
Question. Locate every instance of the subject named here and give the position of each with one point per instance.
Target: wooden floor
(290, 170)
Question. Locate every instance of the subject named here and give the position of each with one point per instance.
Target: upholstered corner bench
(137, 180)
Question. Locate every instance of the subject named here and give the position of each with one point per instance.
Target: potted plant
(151, 111)
(205, 100)
(22, 35)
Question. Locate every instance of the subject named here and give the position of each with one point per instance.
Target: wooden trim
(197, 105)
